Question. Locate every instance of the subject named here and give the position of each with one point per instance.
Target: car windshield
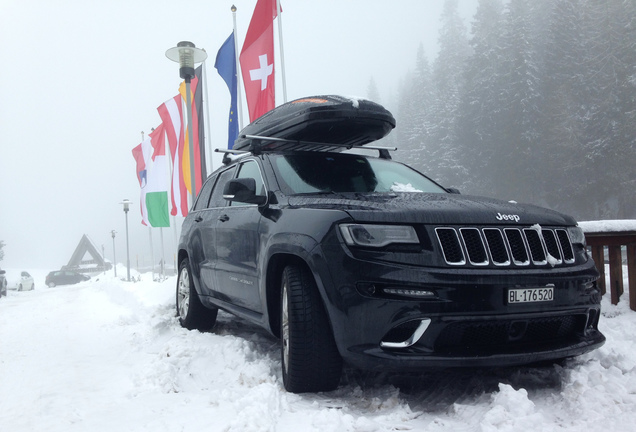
(314, 172)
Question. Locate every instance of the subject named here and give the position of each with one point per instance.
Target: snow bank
(608, 225)
(108, 355)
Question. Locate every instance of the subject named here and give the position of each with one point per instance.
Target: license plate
(530, 295)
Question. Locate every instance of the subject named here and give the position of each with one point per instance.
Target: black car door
(238, 244)
(203, 234)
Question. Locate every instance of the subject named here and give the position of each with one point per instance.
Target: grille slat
(505, 246)
(474, 246)
(497, 247)
(551, 245)
(537, 252)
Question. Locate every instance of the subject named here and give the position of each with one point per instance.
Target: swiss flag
(257, 60)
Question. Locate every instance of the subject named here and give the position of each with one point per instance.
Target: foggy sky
(80, 81)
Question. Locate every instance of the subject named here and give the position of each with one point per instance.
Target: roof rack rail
(281, 144)
(230, 155)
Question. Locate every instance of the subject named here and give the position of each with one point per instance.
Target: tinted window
(216, 200)
(250, 169)
(204, 196)
(339, 172)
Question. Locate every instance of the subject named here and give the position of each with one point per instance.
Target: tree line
(536, 102)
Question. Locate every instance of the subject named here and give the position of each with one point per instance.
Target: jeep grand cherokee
(363, 260)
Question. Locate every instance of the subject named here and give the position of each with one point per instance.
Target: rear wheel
(309, 356)
(191, 312)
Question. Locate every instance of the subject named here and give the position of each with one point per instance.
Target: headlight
(377, 235)
(576, 235)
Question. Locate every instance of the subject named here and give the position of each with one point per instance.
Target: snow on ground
(108, 355)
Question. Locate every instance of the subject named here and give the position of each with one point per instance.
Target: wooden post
(631, 274)
(614, 241)
(598, 256)
(616, 272)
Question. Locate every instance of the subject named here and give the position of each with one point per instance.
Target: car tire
(191, 312)
(309, 357)
(51, 284)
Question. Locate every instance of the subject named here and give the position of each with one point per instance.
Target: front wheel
(309, 356)
(191, 312)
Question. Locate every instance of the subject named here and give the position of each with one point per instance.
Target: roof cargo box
(317, 119)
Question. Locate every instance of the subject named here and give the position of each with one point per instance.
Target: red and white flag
(150, 158)
(257, 60)
(171, 113)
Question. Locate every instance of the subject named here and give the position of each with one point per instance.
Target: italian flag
(152, 173)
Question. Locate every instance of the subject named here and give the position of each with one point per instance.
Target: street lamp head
(233, 8)
(186, 54)
(126, 203)
(112, 233)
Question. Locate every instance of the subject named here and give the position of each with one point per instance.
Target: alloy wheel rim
(183, 294)
(285, 328)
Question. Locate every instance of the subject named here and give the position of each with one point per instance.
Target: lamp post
(126, 203)
(186, 54)
(112, 233)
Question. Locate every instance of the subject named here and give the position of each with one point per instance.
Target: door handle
(198, 218)
(224, 218)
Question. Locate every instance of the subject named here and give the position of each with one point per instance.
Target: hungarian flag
(225, 64)
(257, 60)
(171, 113)
(198, 132)
(152, 174)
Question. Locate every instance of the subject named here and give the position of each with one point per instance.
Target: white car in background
(19, 282)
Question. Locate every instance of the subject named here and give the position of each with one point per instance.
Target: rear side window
(204, 196)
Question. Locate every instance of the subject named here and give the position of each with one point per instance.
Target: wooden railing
(614, 236)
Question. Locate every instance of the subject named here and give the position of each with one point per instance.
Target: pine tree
(448, 78)
(414, 115)
(480, 105)
(516, 160)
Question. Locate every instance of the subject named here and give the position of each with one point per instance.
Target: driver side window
(250, 169)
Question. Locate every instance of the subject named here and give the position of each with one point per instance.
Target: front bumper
(468, 319)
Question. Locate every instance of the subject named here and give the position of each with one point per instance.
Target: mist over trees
(536, 102)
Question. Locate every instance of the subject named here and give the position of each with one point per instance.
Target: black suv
(364, 260)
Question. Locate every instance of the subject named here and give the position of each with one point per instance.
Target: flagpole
(149, 230)
(152, 253)
(163, 261)
(282, 54)
(204, 77)
(238, 75)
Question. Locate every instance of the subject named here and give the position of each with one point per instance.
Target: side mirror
(243, 190)
(453, 190)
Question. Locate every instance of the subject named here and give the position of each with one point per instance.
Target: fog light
(409, 292)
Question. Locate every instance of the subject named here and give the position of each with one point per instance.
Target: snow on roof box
(321, 119)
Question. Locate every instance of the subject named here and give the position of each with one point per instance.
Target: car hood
(438, 209)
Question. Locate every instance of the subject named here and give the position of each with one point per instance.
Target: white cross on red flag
(257, 60)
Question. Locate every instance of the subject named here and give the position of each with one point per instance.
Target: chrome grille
(505, 246)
